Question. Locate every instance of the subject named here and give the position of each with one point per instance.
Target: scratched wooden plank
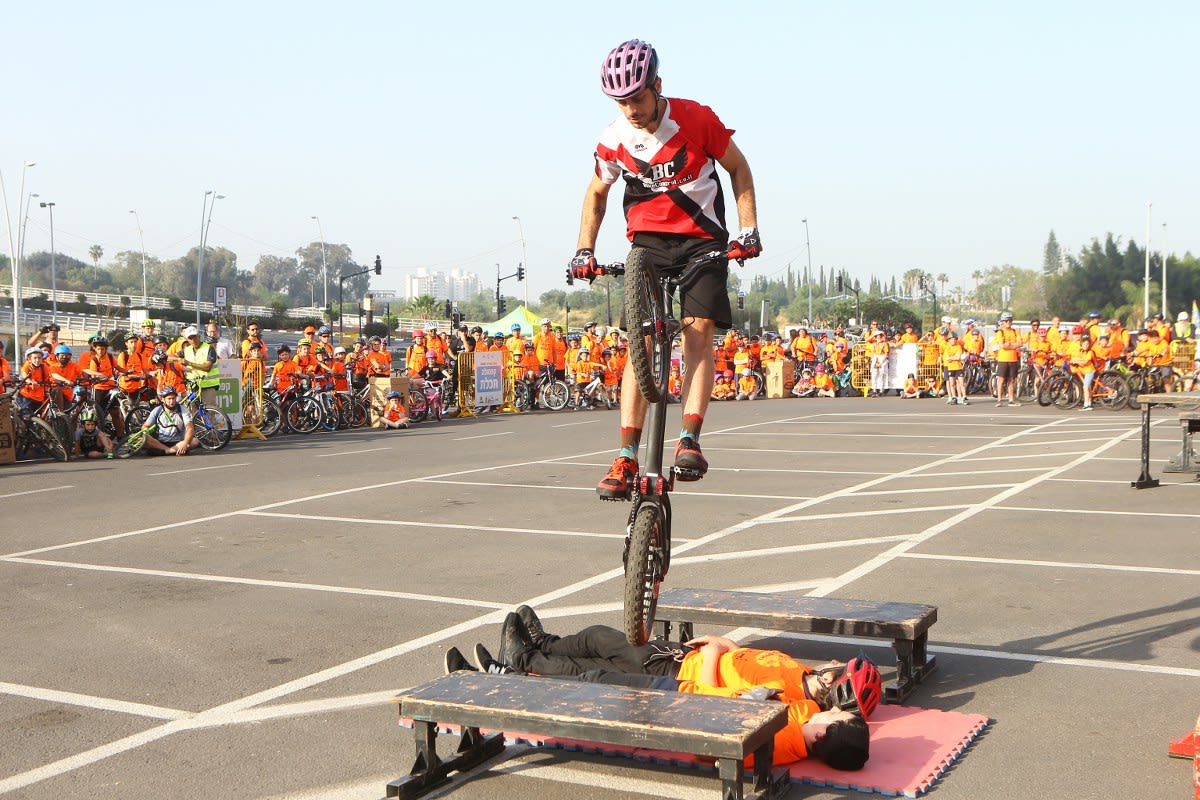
(720, 727)
(797, 614)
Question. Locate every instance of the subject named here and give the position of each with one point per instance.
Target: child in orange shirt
(747, 387)
(394, 415)
(911, 390)
(823, 383)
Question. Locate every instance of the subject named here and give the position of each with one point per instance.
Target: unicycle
(649, 314)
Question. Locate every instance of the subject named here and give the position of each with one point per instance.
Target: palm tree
(96, 252)
(911, 278)
(423, 306)
(943, 279)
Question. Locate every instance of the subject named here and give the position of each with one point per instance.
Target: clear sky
(948, 136)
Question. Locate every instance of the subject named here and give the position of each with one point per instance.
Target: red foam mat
(910, 749)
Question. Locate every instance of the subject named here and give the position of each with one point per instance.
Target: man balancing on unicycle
(667, 150)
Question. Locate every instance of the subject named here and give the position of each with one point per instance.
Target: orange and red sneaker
(617, 483)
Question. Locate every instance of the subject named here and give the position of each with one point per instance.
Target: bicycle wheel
(555, 395)
(215, 429)
(645, 318)
(1110, 390)
(418, 409)
(137, 416)
(1137, 385)
(65, 430)
(1025, 386)
(330, 416)
(643, 574)
(272, 419)
(46, 438)
(303, 415)
(131, 444)
(1067, 392)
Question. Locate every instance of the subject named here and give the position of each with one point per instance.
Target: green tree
(1051, 255)
(272, 273)
(96, 252)
(424, 306)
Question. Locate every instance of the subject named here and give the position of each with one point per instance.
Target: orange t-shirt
(1006, 336)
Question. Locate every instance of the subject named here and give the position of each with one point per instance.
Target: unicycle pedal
(687, 473)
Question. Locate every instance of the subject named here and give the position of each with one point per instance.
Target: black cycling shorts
(707, 296)
(1007, 370)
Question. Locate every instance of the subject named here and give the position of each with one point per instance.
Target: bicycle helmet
(820, 368)
(324, 329)
(1093, 315)
(339, 351)
(93, 338)
(161, 339)
(375, 339)
(100, 341)
(1076, 330)
(283, 348)
(360, 340)
(304, 343)
(590, 324)
(727, 373)
(529, 345)
(860, 687)
(147, 323)
(970, 321)
(62, 350)
(393, 395)
(321, 353)
(33, 351)
(543, 321)
(431, 356)
(87, 415)
(418, 336)
(131, 337)
(476, 329)
(167, 391)
(628, 68)
(1006, 317)
(606, 352)
(516, 326)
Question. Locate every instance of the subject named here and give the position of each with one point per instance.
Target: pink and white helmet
(628, 69)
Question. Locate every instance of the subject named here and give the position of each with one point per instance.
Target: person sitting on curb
(395, 417)
(827, 705)
(175, 433)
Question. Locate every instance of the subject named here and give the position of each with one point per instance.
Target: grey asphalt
(231, 625)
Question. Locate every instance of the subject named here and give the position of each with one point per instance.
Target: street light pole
(1146, 277)
(1166, 317)
(324, 269)
(204, 226)
(25, 223)
(141, 242)
(808, 275)
(53, 268)
(524, 258)
(17, 346)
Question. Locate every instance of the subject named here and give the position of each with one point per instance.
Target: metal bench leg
(1186, 460)
(1144, 480)
(897, 690)
(429, 771)
(730, 770)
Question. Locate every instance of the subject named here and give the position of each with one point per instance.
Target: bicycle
(649, 314)
(546, 391)
(213, 428)
(134, 442)
(33, 431)
(592, 393)
(425, 399)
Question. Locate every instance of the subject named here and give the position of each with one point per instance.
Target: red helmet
(860, 687)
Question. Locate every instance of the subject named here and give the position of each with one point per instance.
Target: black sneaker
(533, 625)
(617, 483)
(456, 661)
(690, 463)
(514, 639)
(485, 662)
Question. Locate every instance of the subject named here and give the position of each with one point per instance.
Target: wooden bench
(726, 729)
(906, 624)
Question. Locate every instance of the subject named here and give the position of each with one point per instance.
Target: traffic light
(456, 317)
(449, 309)
(378, 265)
(741, 301)
(520, 273)
(500, 306)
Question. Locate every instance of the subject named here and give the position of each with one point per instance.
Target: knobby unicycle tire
(643, 573)
(646, 321)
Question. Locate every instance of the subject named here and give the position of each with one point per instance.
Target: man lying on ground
(827, 704)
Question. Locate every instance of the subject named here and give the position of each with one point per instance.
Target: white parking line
(1097, 511)
(91, 701)
(312, 587)
(196, 469)
(482, 436)
(883, 512)
(933, 489)
(352, 452)
(435, 524)
(583, 422)
(36, 491)
(1024, 562)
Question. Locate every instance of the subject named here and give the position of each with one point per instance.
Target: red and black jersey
(671, 180)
